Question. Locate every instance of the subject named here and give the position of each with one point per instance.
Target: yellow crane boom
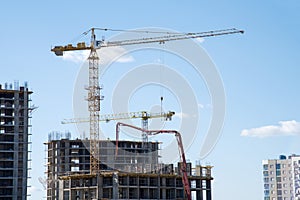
(119, 116)
(58, 50)
(131, 115)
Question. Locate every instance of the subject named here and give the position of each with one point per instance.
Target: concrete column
(61, 189)
(163, 190)
(99, 194)
(115, 185)
(16, 145)
(208, 190)
(199, 193)
(158, 187)
(25, 145)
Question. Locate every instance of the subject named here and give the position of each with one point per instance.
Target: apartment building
(14, 141)
(281, 178)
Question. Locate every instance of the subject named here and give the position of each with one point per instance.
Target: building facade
(14, 142)
(282, 178)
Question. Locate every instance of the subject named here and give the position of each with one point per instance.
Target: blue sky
(260, 72)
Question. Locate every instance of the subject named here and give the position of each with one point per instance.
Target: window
(74, 169)
(273, 192)
(278, 173)
(279, 186)
(265, 167)
(271, 172)
(266, 180)
(272, 178)
(283, 165)
(75, 146)
(266, 186)
(277, 166)
(278, 179)
(279, 192)
(75, 160)
(284, 185)
(283, 172)
(272, 185)
(266, 173)
(284, 178)
(267, 193)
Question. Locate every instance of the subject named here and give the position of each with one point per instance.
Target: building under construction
(132, 174)
(103, 169)
(14, 141)
(94, 169)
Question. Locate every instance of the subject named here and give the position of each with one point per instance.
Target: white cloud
(112, 53)
(200, 40)
(284, 128)
(106, 55)
(182, 115)
(76, 56)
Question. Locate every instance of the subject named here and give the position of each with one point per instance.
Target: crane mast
(94, 105)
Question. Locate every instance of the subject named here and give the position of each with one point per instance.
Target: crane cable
(161, 68)
(134, 31)
(170, 36)
(160, 32)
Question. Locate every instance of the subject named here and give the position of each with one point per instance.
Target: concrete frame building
(14, 141)
(282, 178)
(126, 176)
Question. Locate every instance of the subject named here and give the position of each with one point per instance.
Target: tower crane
(94, 96)
(145, 116)
(183, 169)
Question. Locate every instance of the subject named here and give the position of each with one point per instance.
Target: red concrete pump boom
(183, 169)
